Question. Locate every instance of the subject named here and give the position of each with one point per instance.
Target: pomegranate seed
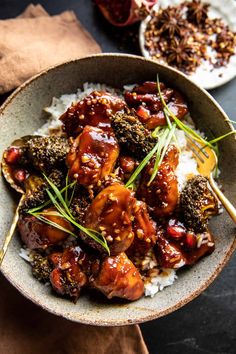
(190, 240)
(175, 229)
(176, 232)
(12, 155)
(20, 175)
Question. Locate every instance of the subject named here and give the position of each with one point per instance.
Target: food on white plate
(188, 35)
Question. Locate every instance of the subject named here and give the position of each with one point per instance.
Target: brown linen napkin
(35, 41)
(27, 329)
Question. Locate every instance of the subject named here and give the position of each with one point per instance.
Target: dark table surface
(207, 324)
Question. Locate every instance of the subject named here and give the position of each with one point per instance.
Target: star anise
(181, 54)
(197, 12)
(171, 22)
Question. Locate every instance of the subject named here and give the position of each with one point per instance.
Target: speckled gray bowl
(22, 114)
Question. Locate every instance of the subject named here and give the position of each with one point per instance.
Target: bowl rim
(191, 296)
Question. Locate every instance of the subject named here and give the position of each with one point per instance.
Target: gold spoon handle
(226, 203)
(10, 233)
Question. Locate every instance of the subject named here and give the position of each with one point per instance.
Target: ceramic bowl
(22, 114)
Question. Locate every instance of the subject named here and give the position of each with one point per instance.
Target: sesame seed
(85, 158)
(111, 197)
(109, 211)
(140, 233)
(104, 101)
(65, 265)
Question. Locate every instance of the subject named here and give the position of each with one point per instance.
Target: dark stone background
(208, 324)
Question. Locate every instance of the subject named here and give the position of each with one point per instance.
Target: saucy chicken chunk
(95, 110)
(144, 230)
(118, 277)
(127, 166)
(178, 246)
(68, 277)
(37, 234)
(169, 254)
(92, 156)
(111, 213)
(148, 106)
(162, 193)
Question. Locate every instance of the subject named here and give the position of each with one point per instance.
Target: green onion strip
(62, 206)
(165, 141)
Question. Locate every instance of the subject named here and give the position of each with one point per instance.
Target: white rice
(159, 282)
(160, 277)
(26, 254)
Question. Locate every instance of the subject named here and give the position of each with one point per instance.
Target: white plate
(204, 76)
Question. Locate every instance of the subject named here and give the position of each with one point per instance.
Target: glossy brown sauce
(134, 222)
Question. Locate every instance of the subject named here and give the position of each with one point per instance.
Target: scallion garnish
(213, 141)
(186, 128)
(143, 163)
(62, 205)
(163, 145)
(155, 132)
(179, 123)
(232, 121)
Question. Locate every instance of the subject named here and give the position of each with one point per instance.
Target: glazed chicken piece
(127, 165)
(118, 277)
(147, 103)
(169, 254)
(36, 234)
(162, 194)
(193, 245)
(95, 110)
(111, 213)
(202, 245)
(145, 233)
(178, 246)
(92, 156)
(68, 277)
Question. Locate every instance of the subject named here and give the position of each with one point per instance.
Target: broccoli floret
(36, 190)
(197, 204)
(132, 135)
(46, 153)
(41, 268)
(80, 204)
